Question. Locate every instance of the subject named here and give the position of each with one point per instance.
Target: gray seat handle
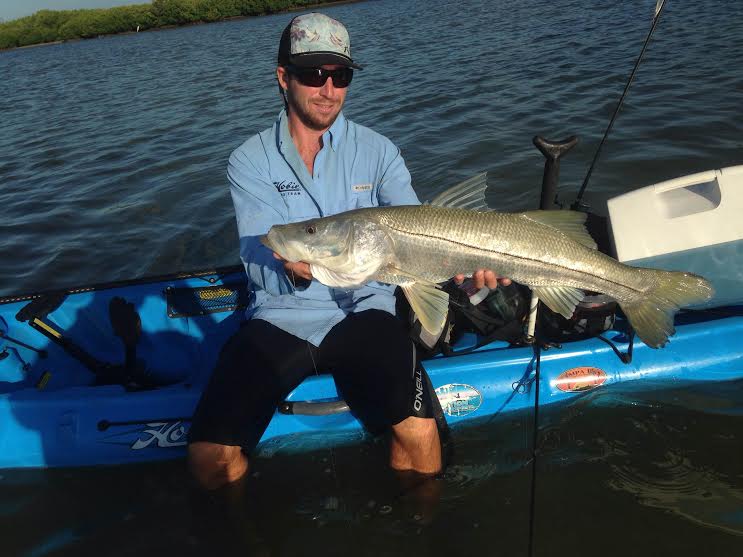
(306, 408)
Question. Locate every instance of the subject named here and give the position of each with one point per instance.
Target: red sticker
(580, 379)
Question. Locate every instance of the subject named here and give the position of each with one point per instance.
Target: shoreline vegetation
(56, 26)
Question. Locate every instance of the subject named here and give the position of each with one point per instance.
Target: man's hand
(484, 277)
(295, 270)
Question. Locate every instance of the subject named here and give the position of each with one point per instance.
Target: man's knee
(215, 465)
(416, 445)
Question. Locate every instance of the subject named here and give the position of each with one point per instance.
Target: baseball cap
(314, 39)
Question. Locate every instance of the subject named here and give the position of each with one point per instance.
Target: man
(312, 162)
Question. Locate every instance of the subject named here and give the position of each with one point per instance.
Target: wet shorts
(369, 354)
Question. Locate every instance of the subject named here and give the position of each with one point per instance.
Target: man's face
(316, 107)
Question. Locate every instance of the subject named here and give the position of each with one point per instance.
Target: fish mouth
(274, 241)
(270, 241)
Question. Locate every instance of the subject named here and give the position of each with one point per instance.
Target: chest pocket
(358, 195)
(362, 194)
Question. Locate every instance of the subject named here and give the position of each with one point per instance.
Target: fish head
(343, 250)
(311, 241)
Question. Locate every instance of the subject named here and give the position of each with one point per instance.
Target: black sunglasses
(316, 77)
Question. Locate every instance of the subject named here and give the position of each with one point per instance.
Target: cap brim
(316, 59)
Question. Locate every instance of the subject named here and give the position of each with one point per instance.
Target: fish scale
(418, 246)
(528, 252)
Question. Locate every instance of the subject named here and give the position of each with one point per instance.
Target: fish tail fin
(652, 315)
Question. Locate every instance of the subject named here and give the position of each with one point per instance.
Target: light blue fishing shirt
(270, 184)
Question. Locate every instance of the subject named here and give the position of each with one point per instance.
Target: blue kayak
(111, 374)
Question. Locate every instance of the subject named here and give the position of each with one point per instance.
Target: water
(112, 165)
(113, 151)
(619, 472)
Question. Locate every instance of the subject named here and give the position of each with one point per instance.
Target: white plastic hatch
(690, 212)
(693, 223)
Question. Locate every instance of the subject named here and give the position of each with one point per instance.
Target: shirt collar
(283, 137)
(332, 137)
(336, 132)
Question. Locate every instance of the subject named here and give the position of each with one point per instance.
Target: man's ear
(281, 76)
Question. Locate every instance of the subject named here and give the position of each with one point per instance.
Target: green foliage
(51, 25)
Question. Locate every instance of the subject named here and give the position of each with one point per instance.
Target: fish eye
(310, 229)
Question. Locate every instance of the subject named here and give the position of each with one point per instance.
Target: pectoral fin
(430, 304)
(560, 299)
(428, 301)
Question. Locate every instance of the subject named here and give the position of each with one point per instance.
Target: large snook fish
(417, 247)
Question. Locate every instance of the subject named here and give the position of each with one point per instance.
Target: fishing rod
(534, 441)
(552, 151)
(578, 203)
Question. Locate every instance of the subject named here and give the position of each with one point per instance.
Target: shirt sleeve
(257, 208)
(395, 187)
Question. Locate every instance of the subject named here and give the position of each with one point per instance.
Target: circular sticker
(458, 399)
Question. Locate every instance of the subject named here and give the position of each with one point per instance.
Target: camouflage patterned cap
(314, 39)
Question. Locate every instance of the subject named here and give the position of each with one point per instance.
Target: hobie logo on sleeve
(361, 187)
(286, 188)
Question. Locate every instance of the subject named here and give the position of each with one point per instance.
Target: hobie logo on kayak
(458, 399)
(162, 434)
(579, 379)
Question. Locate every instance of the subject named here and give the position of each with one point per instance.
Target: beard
(309, 118)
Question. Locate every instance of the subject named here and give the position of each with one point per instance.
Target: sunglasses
(316, 77)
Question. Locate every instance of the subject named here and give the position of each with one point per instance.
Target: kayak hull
(51, 413)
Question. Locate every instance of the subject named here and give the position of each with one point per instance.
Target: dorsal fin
(570, 223)
(469, 194)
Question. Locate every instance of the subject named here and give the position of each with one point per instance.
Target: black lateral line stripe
(502, 254)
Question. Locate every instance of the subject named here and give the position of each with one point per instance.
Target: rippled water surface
(112, 165)
(113, 151)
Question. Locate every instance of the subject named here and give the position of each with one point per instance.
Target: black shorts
(369, 354)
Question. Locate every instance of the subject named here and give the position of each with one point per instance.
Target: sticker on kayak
(579, 379)
(458, 399)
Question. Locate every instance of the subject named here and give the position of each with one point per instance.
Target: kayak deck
(52, 413)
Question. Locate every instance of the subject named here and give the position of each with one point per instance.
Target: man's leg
(257, 368)
(214, 465)
(415, 446)
(373, 362)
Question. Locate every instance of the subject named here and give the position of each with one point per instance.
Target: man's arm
(257, 207)
(395, 187)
